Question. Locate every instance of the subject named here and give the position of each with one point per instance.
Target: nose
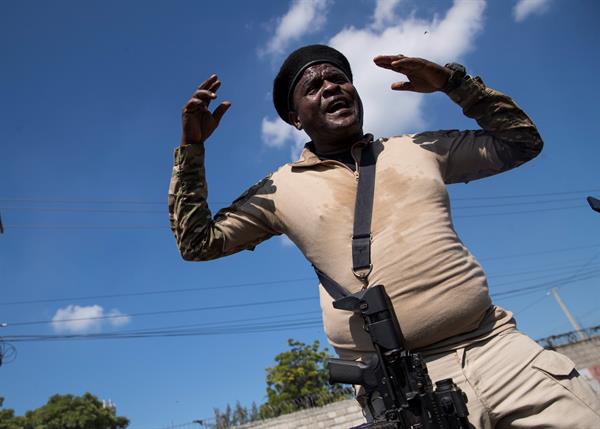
(330, 88)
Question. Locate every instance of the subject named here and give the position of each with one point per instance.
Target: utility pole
(582, 335)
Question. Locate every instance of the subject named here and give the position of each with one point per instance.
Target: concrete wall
(339, 415)
(584, 353)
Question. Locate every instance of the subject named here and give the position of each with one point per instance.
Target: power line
(263, 284)
(517, 212)
(153, 313)
(255, 284)
(231, 330)
(543, 252)
(144, 211)
(520, 203)
(547, 275)
(229, 323)
(162, 202)
(533, 195)
(531, 304)
(546, 285)
(159, 292)
(99, 202)
(134, 227)
(545, 269)
(82, 209)
(91, 227)
(502, 295)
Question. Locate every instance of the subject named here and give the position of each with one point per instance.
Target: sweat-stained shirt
(438, 289)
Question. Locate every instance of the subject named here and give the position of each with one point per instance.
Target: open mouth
(337, 105)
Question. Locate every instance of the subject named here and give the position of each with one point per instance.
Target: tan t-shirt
(438, 289)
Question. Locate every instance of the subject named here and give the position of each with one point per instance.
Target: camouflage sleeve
(508, 137)
(246, 222)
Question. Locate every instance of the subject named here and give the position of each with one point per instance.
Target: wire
(185, 327)
(547, 275)
(546, 285)
(520, 203)
(153, 313)
(501, 295)
(137, 227)
(148, 202)
(103, 227)
(259, 284)
(517, 212)
(543, 252)
(254, 284)
(158, 292)
(531, 304)
(231, 330)
(144, 211)
(81, 209)
(546, 194)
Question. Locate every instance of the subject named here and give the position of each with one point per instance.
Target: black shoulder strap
(363, 210)
(332, 287)
(361, 237)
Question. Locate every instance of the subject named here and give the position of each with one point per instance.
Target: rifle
(400, 392)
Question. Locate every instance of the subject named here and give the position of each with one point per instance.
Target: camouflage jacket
(416, 252)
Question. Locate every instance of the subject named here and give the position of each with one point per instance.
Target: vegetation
(65, 412)
(298, 380)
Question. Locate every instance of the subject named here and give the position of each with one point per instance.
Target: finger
(406, 63)
(220, 110)
(208, 82)
(385, 61)
(194, 105)
(204, 95)
(403, 86)
(215, 86)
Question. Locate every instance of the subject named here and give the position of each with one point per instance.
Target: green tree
(299, 380)
(66, 412)
(8, 420)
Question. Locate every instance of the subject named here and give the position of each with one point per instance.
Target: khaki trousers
(511, 382)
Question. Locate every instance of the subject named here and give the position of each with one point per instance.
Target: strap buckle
(362, 274)
(361, 256)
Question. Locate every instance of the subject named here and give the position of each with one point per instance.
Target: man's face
(327, 106)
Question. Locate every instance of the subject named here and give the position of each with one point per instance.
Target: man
(438, 289)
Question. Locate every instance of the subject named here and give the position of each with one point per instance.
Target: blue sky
(90, 114)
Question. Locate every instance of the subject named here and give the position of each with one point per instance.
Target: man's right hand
(199, 122)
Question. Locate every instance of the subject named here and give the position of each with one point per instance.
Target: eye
(311, 90)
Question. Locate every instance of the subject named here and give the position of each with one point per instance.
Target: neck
(332, 147)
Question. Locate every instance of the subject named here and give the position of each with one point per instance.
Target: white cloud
(388, 112)
(443, 40)
(117, 318)
(84, 319)
(304, 16)
(525, 8)
(276, 133)
(385, 12)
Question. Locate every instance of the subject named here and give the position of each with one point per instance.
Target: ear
(295, 120)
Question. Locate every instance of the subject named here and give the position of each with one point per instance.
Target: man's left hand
(423, 75)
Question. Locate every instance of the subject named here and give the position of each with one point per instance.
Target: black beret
(292, 68)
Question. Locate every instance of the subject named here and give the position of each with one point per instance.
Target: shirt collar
(308, 157)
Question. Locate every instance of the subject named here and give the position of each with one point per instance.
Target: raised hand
(199, 122)
(423, 75)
